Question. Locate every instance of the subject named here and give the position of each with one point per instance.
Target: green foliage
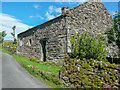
(49, 79)
(1, 38)
(2, 35)
(83, 73)
(45, 63)
(9, 46)
(15, 41)
(110, 35)
(35, 60)
(86, 46)
(114, 33)
(13, 34)
(38, 61)
(116, 27)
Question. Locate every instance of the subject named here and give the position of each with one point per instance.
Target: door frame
(43, 49)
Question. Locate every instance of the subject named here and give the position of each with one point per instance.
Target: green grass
(47, 68)
(9, 43)
(5, 51)
(25, 61)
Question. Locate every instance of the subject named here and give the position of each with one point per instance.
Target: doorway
(43, 49)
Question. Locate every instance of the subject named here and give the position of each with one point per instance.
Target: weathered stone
(52, 38)
(94, 78)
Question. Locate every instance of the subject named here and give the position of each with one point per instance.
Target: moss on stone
(90, 73)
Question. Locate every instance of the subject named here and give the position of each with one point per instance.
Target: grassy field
(45, 71)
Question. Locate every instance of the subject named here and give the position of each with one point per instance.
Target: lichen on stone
(90, 75)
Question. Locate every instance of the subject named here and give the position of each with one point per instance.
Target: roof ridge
(65, 15)
(42, 23)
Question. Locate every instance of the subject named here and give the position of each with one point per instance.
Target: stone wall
(89, 16)
(76, 73)
(53, 32)
(92, 17)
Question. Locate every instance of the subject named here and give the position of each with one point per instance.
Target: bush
(86, 46)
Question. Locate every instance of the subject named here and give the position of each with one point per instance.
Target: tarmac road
(14, 76)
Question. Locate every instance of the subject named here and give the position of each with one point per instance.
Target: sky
(25, 15)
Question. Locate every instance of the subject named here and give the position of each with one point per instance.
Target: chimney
(65, 10)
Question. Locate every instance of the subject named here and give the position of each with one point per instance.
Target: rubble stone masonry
(50, 40)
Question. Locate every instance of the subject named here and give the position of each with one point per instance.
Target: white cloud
(58, 10)
(113, 12)
(54, 9)
(37, 16)
(49, 16)
(7, 22)
(51, 9)
(36, 6)
(40, 17)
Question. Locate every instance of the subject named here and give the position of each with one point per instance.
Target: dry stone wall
(77, 73)
(53, 32)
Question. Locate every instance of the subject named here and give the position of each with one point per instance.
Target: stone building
(50, 40)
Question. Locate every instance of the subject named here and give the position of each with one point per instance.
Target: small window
(21, 42)
(29, 42)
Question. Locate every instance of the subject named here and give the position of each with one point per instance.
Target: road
(14, 76)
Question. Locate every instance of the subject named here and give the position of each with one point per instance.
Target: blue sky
(28, 14)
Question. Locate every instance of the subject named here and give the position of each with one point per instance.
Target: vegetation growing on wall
(85, 67)
(86, 46)
(90, 73)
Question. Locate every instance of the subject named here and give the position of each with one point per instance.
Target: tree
(1, 38)
(114, 33)
(13, 34)
(2, 35)
(116, 28)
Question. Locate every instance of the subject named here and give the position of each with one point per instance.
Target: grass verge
(47, 73)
